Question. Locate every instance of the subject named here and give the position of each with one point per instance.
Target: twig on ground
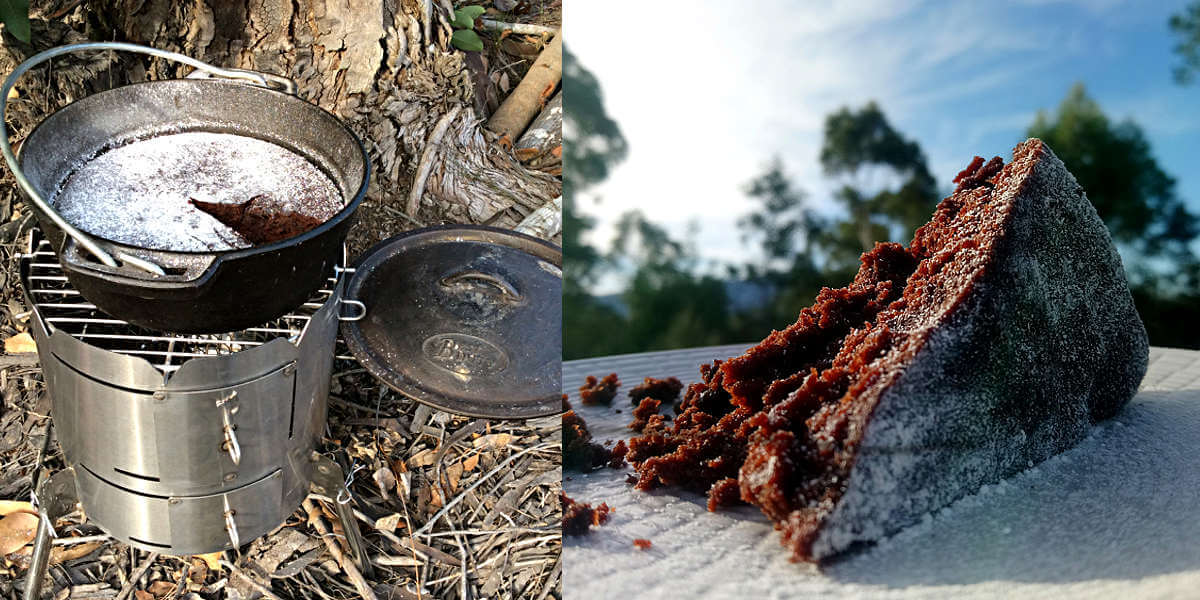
(260, 588)
(136, 575)
(347, 565)
(500, 467)
(520, 28)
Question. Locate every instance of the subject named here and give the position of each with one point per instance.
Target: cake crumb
(599, 391)
(618, 455)
(580, 453)
(724, 493)
(665, 390)
(580, 517)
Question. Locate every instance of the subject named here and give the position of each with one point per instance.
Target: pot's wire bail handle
(265, 80)
(270, 80)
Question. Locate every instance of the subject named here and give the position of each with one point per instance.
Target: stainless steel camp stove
(182, 444)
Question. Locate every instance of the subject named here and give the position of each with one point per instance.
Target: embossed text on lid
(464, 355)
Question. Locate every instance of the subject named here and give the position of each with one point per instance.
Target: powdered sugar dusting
(138, 193)
(1047, 342)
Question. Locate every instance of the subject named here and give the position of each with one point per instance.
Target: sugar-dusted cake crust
(992, 342)
(1042, 342)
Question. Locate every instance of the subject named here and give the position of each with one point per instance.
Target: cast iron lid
(466, 319)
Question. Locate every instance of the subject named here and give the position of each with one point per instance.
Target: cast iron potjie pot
(190, 292)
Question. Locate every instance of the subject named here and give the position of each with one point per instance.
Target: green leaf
(464, 18)
(465, 39)
(473, 12)
(15, 14)
(461, 21)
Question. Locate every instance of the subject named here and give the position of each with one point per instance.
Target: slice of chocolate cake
(992, 342)
(259, 220)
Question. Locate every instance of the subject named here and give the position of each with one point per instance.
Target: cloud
(708, 93)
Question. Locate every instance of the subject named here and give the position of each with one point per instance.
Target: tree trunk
(384, 67)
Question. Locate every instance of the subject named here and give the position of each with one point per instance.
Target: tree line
(884, 190)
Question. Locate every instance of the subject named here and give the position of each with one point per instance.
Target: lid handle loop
(506, 289)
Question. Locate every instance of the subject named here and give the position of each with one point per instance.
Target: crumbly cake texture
(645, 413)
(992, 342)
(599, 391)
(580, 453)
(580, 517)
(665, 390)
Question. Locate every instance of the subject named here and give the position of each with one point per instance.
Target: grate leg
(329, 480)
(39, 562)
(56, 498)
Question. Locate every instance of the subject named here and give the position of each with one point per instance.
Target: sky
(707, 92)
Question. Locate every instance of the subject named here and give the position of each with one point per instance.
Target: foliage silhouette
(885, 191)
(1186, 25)
(886, 188)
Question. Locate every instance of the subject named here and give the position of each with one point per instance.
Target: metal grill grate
(63, 308)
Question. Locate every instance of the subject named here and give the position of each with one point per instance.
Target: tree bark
(385, 67)
(540, 147)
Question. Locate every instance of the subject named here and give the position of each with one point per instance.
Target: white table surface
(1118, 516)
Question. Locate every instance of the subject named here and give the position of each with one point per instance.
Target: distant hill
(743, 296)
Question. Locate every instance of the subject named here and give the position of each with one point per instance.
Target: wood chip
(22, 343)
(212, 560)
(494, 441)
(60, 554)
(11, 506)
(388, 523)
(386, 480)
(469, 463)
(423, 458)
(16, 530)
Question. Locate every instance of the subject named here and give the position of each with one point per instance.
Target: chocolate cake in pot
(992, 342)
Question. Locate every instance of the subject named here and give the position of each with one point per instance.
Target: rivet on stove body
(160, 395)
(230, 476)
(289, 370)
